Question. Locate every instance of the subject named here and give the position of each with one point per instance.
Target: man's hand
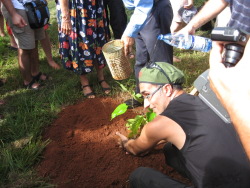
(218, 71)
(189, 5)
(128, 45)
(123, 139)
(216, 53)
(187, 30)
(18, 20)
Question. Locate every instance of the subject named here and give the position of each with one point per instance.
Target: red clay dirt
(83, 151)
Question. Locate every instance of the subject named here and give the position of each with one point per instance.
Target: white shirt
(19, 5)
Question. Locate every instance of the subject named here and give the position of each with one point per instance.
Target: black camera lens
(233, 53)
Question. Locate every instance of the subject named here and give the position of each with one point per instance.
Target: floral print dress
(83, 46)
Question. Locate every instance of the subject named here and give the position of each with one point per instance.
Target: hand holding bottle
(188, 42)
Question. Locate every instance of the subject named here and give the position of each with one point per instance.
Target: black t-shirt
(212, 151)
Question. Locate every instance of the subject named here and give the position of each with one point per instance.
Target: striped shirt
(240, 17)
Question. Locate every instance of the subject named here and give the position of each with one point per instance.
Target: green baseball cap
(161, 73)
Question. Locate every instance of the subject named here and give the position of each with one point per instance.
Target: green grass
(198, 3)
(26, 113)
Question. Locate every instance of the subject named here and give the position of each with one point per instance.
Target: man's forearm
(210, 10)
(132, 146)
(9, 6)
(128, 146)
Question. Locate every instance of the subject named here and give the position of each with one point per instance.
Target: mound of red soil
(83, 151)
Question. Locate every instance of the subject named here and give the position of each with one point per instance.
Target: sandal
(29, 85)
(105, 90)
(90, 95)
(38, 77)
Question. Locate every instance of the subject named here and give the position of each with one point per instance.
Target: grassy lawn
(26, 113)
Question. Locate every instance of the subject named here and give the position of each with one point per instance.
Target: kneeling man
(200, 145)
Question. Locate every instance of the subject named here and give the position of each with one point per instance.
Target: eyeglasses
(152, 65)
(149, 96)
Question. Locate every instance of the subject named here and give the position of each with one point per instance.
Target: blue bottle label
(192, 43)
(198, 43)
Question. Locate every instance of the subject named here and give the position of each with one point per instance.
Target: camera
(233, 51)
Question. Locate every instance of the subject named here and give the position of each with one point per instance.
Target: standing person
(45, 43)
(200, 145)
(118, 18)
(26, 39)
(82, 33)
(149, 19)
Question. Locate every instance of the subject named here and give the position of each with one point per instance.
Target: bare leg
(45, 43)
(24, 65)
(35, 63)
(13, 42)
(25, 62)
(2, 34)
(106, 88)
(176, 59)
(86, 90)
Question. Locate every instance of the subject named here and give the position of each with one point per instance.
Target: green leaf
(120, 109)
(136, 125)
(150, 115)
(138, 97)
(122, 86)
(129, 123)
(130, 120)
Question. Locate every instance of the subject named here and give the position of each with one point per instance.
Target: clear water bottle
(188, 42)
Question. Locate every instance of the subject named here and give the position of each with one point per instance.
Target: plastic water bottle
(188, 42)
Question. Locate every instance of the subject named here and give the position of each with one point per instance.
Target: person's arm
(231, 85)
(66, 26)
(209, 11)
(142, 9)
(153, 133)
(17, 19)
(140, 145)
